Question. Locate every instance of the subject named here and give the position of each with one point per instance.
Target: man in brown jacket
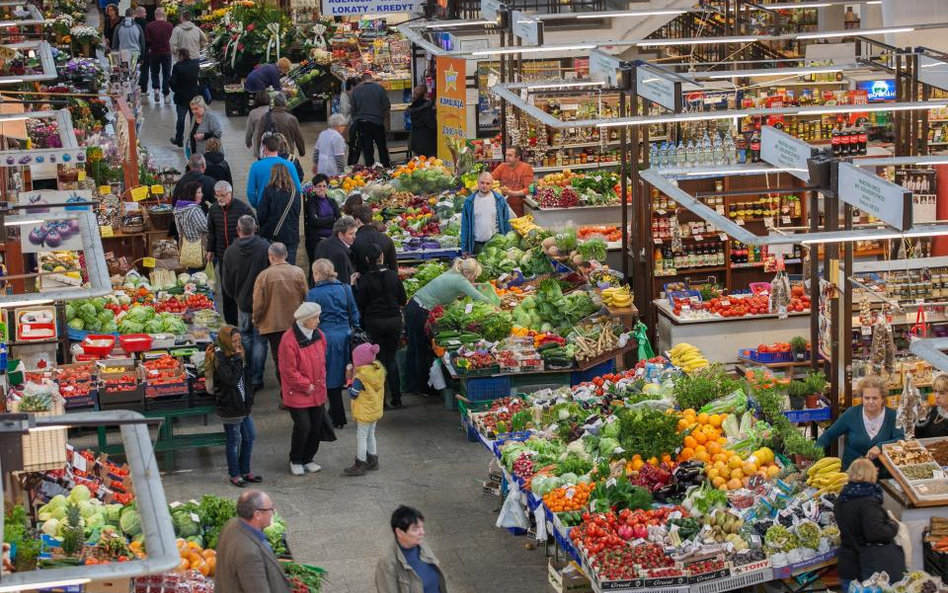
(245, 560)
(277, 292)
(279, 120)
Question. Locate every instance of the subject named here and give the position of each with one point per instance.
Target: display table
(426, 254)
(576, 216)
(713, 336)
(915, 516)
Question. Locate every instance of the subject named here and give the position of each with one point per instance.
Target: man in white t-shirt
(485, 214)
(329, 157)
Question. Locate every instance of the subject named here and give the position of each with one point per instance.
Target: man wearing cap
(277, 292)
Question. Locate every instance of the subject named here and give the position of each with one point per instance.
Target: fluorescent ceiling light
(773, 72)
(742, 171)
(47, 585)
(11, 81)
(673, 117)
(853, 32)
(25, 304)
(849, 108)
(566, 85)
(461, 24)
(524, 50)
(921, 232)
(16, 223)
(628, 13)
(695, 41)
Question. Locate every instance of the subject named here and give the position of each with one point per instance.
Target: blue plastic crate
(809, 415)
(603, 368)
(478, 389)
(769, 357)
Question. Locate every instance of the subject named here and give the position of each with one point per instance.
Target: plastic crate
(603, 368)
(89, 400)
(809, 415)
(486, 388)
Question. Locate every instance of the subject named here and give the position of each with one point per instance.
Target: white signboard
(526, 27)
(783, 150)
(489, 9)
(603, 67)
(829, 54)
(933, 72)
(875, 196)
(651, 85)
(360, 7)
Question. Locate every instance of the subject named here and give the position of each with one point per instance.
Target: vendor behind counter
(866, 427)
(935, 423)
(267, 76)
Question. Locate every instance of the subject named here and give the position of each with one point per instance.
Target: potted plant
(799, 346)
(815, 384)
(797, 391)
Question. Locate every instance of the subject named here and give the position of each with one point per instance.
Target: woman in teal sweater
(866, 426)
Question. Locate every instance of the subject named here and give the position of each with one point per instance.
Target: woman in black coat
(866, 530)
(380, 297)
(423, 139)
(320, 213)
(280, 197)
(184, 81)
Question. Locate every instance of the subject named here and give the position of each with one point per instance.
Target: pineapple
(73, 532)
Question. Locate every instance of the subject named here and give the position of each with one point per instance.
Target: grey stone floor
(341, 523)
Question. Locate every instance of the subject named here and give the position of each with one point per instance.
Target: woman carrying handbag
(191, 223)
(279, 211)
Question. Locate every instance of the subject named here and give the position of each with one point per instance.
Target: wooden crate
(45, 449)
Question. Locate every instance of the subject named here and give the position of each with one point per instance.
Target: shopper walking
(303, 359)
(217, 167)
(204, 125)
(187, 36)
(423, 138)
(320, 214)
(515, 177)
(191, 224)
(277, 292)
(286, 152)
(144, 65)
(158, 41)
(935, 423)
(484, 214)
(279, 211)
(340, 315)
(370, 111)
(261, 100)
(224, 365)
(368, 234)
(266, 76)
(367, 390)
(345, 108)
(443, 290)
(278, 120)
(866, 530)
(243, 262)
(408, 565)
(352, 202)
(329, 155)
(184, 83)
(866, 426)
(380, 297)
(259, 175)
(222, 218)
(337, 249)
(128, 35)
(111, 22)
(245, 561)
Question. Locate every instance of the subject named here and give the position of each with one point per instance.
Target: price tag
(106, 231)
(468, 308)
(174, 504)
(660, 212)
(769, 222)
(149, 262)
(719, 208)
(82, 176)
(105, 190)
(139, 193)
(657, 241)
(723, 236)
(502, 277)
(785, 220)
(740, 222)
(157, 189)
(699, 238)
(725, 303)
(79, 462)
(195, 518)
(611, 482)
(570, 492)
(938, 474)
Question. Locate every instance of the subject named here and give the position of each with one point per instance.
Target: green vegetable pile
(484, 319)
(593, 249)
(648, 432)
(623, 495)
(703, 386)
(214, 513)
(91, 315)
(553, 307)
(424, 181)
(426, 272)
(141, 319)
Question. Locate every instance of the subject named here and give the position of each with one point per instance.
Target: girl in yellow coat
(368, 398)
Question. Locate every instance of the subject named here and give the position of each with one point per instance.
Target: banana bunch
(617, 296)
(523, 225)
(825, 475)
(687, 357)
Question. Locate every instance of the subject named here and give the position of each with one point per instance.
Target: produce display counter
(709, 335)
(577, 215)
(426, 254)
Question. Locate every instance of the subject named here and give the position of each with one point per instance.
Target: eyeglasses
(269, 510)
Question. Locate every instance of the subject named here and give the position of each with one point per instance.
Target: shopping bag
(645, 349)
(903, 539)
(436, 377)
(211, 274)
(512, 513)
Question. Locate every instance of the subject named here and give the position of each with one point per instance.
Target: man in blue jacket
(259, 175)
(485, 214)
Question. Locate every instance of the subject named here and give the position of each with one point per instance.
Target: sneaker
(297, 469)
(312, 467)
(168, 99)
(157, 98)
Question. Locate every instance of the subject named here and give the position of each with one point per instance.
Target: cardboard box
(111, 586)
(495, 473)
(572, 581)
(491, 488)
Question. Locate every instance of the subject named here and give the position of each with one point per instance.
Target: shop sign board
(933, 72)
(828, 54)
(652, 85)
(526, 27)
(603, 67)
(361, 7)
(489, 9)
(875, 196)
(451, 86)
(783, 150)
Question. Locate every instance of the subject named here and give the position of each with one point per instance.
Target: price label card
(105, 190)
(157, 189)
(699, 238)
(79, 462)
(610, 483)
(139, 193)
(82, 176)
(725, 303)
(174, 504)
(657, 241)
(660, 212)
(149, 262)
(723, 236)
(785, 220)
(740, 222)
(106, 231)
(769, 222)
(468, 308)
(719, 208)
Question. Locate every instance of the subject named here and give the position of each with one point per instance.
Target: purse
(191, 254)
(357, 335)
(286, 211)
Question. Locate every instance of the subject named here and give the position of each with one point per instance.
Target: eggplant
(665, 492)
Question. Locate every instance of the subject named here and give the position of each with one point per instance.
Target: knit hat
(364, 354)
(307, 310)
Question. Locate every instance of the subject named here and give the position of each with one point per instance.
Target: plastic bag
(211, 275)
(436, 376)
(512, 513)
(645, 348)
(540, 518)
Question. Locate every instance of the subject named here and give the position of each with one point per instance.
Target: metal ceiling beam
(931, 350)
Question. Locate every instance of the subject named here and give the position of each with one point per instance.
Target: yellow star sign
(450, 78)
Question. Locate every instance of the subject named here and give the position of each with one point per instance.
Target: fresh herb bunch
(573, 464)
(648, 432)
(28, 550)
(622, 495)
(703, 386)
(785, 435)
(214, 513)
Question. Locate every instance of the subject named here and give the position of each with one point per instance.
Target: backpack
(209, 385)
(269, 126)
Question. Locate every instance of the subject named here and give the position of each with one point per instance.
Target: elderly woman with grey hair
(329, 156)
(204, 125)
(279, 120)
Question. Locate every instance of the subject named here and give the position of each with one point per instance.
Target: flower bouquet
(83, 34)
(43, 133)
(87, 71)
(250, 34)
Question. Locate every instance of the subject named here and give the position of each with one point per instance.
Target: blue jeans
(255, 347)
(239, 446)
(182, 111)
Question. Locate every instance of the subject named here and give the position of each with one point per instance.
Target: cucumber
(548, 346)
(447, 335)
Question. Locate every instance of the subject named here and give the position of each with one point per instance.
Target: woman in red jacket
(303, 374)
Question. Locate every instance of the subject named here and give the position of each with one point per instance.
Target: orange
(719, 464)
(689, 413)
(700, 437)
(713, 447)
(722, 441)
(720, 458)
(714, 420)
(713, 473)
(772, 471)
(735, 462)
(637, 464)
(702, 456)
(184, 565)
(690, 442)
(718, 481)
(725, 472)
(682, 425)
(749, 468)
(686, 454)
(737, 473)
(734, 484)
(702, 418)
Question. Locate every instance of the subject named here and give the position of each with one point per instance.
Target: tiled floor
(341, 523)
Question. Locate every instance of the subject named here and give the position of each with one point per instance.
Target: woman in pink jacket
(303, 373)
